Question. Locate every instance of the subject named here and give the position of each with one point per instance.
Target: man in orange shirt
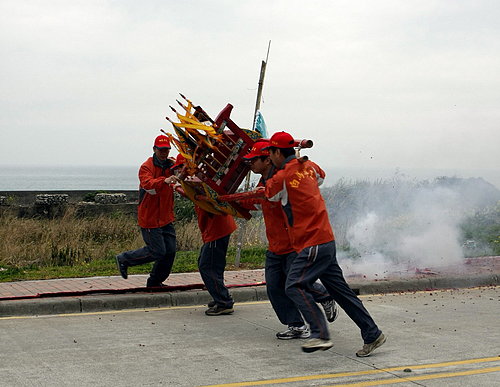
(280, 255)
(296, 187)
(155, 217)
(215, 233)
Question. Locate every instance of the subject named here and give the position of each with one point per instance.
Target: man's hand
(171, 180)
(260, 190)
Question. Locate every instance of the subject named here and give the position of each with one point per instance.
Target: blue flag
(260, 125)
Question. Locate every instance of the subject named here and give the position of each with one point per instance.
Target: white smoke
(400, 227)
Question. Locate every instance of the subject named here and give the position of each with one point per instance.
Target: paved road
(441, 338)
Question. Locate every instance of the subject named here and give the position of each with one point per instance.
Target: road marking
(423, 377)
(371, 372)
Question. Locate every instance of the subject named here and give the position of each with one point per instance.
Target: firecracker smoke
(398, 226)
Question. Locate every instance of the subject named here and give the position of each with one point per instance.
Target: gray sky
(376, 84)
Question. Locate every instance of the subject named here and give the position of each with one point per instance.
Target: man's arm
(149, 183)
(275, 190)
(320, 174)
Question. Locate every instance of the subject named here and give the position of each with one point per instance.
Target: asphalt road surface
(435, 338)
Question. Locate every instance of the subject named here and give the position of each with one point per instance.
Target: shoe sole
(318, 348)
(220, 313)
(294, 337)
(374, 348)
(120, 270)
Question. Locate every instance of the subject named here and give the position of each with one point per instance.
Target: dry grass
(69, 240)
(64, 241)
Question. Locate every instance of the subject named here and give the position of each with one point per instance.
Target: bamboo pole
(241, 232)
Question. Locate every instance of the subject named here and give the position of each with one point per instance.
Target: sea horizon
(93, 177)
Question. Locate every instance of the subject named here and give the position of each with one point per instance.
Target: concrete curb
(109, 302)
(426, 283)
(106, 302)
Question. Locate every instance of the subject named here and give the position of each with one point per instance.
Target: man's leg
(212, 263)
(163, 265)
(153, 250)
(305, 269)
(319, 293)
(333, 279)
(275, 274)
(286, 310)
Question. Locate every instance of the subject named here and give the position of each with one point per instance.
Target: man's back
(296, 187)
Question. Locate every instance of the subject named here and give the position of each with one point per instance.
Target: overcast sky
(375, 84)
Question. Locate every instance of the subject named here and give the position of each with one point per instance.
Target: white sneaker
(331, 310)
(294, 333)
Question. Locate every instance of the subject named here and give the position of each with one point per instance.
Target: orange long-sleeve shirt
(156, 200)
(296, 188)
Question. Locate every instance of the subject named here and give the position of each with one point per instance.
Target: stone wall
(110, 198)
(29, 197)
(54, 204)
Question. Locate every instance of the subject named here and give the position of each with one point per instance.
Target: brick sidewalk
(21, 289)
(116, 284)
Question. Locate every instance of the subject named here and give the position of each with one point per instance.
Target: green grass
(483, 228)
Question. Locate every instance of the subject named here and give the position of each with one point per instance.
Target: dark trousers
(277, 267)
(211, 263)
(160, 248)
(320, 262)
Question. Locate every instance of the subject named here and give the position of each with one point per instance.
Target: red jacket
(156, 198)
(276, 226)
(213, 226)
(296, 188)
(274, 219)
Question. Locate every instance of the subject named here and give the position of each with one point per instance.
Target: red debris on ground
(425, 271)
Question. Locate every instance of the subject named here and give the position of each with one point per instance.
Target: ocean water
(54, 178)
(42, 178)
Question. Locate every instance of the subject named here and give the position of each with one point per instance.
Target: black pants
(277, 267)
(212, 262)
(160, 248)
(320, 262)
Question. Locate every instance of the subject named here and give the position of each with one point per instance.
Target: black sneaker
(122, 267)
(331, 310)
(218, 310)
(211, 304)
